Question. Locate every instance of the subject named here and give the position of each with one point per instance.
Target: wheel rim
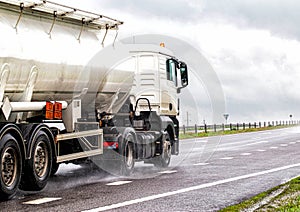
(129, 156)
(41, 159)
(9, 167)
(167, 151)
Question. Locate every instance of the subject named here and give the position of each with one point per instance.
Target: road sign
(226, 115)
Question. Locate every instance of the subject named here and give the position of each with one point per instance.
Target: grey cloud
(281, 17)
(177, 10)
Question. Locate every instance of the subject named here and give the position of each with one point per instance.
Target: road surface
(208, 175)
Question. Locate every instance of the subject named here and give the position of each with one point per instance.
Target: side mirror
(184, 74)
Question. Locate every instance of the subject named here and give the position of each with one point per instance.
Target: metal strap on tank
(117, 32)
(81, 29)
(106, 29)
(4, 74)
(54, 20)
(21, 13)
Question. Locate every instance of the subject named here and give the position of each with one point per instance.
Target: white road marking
(198, 149)
(283, 145)
(227, 158)
(193, 141)
(189, 189)
(239, 146)
(259, 142)
(246, 154)
(273, 147)
(267, 133)
(283, 134)
(168, 172)
(260, 150)
(118, 183)
(201, 141)
(292, 142)
(201, 164)
(41, 201)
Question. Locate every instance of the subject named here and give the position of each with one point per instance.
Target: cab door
(168, 86)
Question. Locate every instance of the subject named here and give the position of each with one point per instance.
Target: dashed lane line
(189, 189)
(227, 158)
(198, 149)
(201, 141)
(283, 145)
(201, 164)
(168, 172)
(273, 147)
(228, 145)
(117, 183)
(246, 154)
(41, 201)
(283, 134)
(260, 150)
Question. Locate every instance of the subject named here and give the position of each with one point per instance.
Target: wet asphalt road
(209, 174)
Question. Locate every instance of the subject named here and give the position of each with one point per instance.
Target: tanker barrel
(32, 106)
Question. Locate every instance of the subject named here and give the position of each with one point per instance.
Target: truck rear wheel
(127, 161)
(10, 166)
(38, 167)
(163, 160)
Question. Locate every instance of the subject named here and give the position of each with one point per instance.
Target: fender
(30, 133)
(168, 125)
(16, 132)
(124, 131)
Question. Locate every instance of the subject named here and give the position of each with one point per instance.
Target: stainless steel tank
(48, 58)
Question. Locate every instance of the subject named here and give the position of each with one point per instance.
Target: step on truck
(56, 106)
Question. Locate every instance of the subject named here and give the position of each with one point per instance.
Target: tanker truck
(62, 100)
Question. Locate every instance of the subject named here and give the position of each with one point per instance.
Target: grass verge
(285, 197)
(228, 132)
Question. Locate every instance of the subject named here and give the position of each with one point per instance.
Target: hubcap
(129, 156)
(41, 159)
(9, 167)
(167, 150)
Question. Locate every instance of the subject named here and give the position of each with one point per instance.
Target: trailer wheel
(163, 160)
(54, 169)
(10, 166)
(38, 167)
(127, 161)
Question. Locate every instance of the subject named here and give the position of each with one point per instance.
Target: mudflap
(175, 147)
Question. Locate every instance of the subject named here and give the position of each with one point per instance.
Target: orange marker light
(49, 106)
(57, 110)
(49, 110)
(49, 115)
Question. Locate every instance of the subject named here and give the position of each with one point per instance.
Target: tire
(54, 168)
(127, 157)
(38, 168)
(164, 159)
(10, 166)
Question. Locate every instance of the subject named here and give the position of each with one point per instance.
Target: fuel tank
(47, 54)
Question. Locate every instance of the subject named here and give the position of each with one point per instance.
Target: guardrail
(237, 126)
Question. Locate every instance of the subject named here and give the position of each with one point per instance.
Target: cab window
(172, 71)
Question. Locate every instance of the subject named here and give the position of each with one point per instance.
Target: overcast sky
(252, 45)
